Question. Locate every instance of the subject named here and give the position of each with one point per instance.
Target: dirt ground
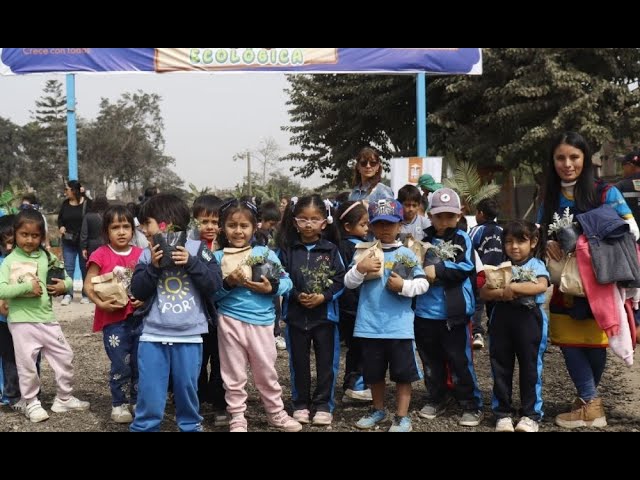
(619, 388)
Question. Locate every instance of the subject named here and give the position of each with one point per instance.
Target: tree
(11, 165)
(467, 182)
(334, 116)
(267, 153)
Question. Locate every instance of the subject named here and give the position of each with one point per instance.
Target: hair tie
(328, 205)
(346, 212)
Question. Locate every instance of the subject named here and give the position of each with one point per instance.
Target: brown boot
(583, 415)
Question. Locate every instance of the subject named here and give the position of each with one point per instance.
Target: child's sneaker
(220, 418)
(282, 421)
(373, 418)
(121, 414)
(478, 341)
(281, 343)
(302, 416)
(35, 412)
(401, 424)
(504, 425)
(238, 424)
(527, 424)
(359, 395)
(69, 405)
(66, 301)
(470, 418)
(431, 411)
(322, 418)
(20, 406)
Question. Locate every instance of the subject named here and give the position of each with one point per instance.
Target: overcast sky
(208, 118)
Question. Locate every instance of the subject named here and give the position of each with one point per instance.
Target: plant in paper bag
(169, 238)
(262, 266)
(565, 231)
(403, 266)
(524, 275)
(55, 270)
(124, 276)
(441, 252)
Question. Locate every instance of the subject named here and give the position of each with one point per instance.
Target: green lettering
(248, 56)
(297, 57)
(194, 56)
(284, 56)
(207, 56)
(263, 56)
(234, 57)
(222, 56)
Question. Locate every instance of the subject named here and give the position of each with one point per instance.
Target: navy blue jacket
(202, 268)
(297, 257)
(349, 299)
(487, 240)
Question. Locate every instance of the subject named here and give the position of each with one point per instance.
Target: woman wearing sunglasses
(366, 182)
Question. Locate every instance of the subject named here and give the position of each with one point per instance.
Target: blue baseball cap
(388, 210)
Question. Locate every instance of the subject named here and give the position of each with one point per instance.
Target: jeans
(121, 345)
(10, 385)
(585, 367)
(70, 252)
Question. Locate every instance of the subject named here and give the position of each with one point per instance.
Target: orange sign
(415, 169)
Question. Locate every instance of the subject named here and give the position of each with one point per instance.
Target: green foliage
(334, 116)
(468, 184)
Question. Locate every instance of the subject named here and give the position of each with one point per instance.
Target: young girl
(317, 273)
(32, 323)
(245, 324)
(518, 329)
(354, 225)
(119, 334)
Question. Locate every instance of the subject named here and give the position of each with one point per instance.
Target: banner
(406, 171)
(20, 61)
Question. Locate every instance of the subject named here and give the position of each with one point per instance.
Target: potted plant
(261, 266)
(317, 279)
(55, 271)
(565, 231)
(169, 238)
(523, 275)
(441, 252)
(404, 266)
(124, 276)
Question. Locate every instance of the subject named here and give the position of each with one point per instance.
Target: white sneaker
(478, 341)
(504, 425)
(85, 301)
(281, 343)
(66, 301)
(121, 414)
(35, 412)
(220, 419)
(72, 404)
(526, 424)
(359, 395)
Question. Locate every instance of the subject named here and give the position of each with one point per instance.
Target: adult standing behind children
(630, 184)
(367, 178)
(571, 184)
(72, 212)
(91, 233)
(178, 302)
(486, 238)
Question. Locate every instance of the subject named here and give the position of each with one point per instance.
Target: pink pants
(29, 339)
(242, 345)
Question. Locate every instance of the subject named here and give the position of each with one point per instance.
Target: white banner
(406, 171)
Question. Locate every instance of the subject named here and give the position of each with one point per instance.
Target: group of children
(194, 324)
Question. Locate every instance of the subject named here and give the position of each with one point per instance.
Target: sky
(208, 118)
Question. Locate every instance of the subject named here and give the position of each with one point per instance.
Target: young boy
(413, 224)
(210, 386)
(384, 322)
(444, 313)
(486, 239)
(178, 303)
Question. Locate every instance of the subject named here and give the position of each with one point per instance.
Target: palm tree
(467, 182)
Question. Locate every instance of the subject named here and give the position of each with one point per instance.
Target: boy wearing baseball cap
(384, 321)
(443, 314)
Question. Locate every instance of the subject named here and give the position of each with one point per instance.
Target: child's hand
(37, 288)
(135, 303)
(264, 287)
(508, 294)
(85, 254)
(236, 278)
(180, 257)
(311, 300)
(4, 308)
(371, 264)
(395, 283)
(156, 256)
(58, 287)
(430, 272)
(109, 306)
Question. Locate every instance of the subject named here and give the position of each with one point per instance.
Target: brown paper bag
(498, 277)
(417, 247)
(23, 272)
(570, 281)
(555, 268)
(235, 258)
(108, 289)
(364, 250)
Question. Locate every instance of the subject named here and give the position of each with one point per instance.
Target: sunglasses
(371, 163)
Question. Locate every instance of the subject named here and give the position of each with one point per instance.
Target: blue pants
(121, 345)
(9, 386)
(69, 253)
(156, 362)
(585, 367)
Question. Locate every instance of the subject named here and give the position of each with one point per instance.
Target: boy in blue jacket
(178, 301)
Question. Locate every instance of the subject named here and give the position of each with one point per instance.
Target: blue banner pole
(72, 139)
(421, 112)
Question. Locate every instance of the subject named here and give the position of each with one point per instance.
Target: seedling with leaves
(319, 278)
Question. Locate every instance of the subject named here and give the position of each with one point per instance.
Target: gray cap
(445, 200)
